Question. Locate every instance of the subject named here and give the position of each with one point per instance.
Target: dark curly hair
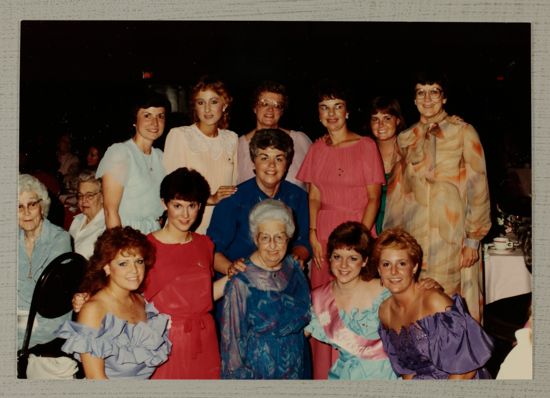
(398, 239)
(106, 248)
(353, 235)
(210, 83)
(272, 138)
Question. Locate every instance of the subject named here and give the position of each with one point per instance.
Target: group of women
(366, 298)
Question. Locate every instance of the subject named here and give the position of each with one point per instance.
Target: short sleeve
(372, 166)
(116, 162)
(307, 168)
(457, 342)
(316, 329)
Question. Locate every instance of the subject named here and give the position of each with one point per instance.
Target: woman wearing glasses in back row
(439, 194)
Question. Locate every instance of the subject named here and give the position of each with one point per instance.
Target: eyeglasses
(31, 206)
(264, 103)
(434, 93)
(266, 239)
(87, 195)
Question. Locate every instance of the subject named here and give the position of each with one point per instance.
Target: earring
(347, 115)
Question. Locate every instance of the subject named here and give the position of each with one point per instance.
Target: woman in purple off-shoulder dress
(426, 334)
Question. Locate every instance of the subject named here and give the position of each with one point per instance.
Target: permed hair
(28, 183)
(269, 86)
(107, 246)
(272, 138)
(271, 209)
(209, 83)
(398, 239)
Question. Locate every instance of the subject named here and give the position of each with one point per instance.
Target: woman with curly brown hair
(118, 334)
(206, 146)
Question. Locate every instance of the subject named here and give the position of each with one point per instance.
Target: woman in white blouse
(206, 146)
(90, 223)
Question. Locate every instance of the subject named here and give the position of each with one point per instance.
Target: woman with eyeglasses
(90, 223)
(266, 307)
(206, 145)
(440, 194)
(39, 243)
(344, 173)
(270, 102)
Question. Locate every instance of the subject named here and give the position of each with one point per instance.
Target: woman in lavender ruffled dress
(426, 334)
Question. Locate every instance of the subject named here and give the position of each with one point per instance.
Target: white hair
(28, 183)
(271, 209)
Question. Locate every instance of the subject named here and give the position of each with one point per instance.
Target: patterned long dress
(439, 193)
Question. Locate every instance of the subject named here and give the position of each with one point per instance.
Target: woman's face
(90, 199)
(268, 110)
(270, 165)
(383, 125)
(333, 114)
(209, 107)
(92, 159)
(396, 270)
(30, 211)
(126, 271)
(150, 122)
(272, 242)
(346, 265)
(429, 100)
(182, 214)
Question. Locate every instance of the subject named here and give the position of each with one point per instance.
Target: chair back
(54, 291)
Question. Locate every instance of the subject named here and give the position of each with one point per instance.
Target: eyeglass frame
(31, 206)
(266, 103)
(429, 93)
(278, 240)
(87, 195)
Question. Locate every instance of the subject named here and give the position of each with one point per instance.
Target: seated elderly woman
(118, 333)
(266, 306)
(90, 223)
(39, 243)
(426, 334)
(271, 151)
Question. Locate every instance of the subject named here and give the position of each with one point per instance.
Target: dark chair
(51, 298)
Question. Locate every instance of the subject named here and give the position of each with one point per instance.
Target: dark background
(78, 76)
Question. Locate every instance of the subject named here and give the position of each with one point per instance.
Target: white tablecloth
(505, 275)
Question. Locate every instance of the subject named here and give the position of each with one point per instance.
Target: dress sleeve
(373, 169)
(174, 153)
(305, 173)
(457, 342)
(233, 342)
(395, 197)
(223, 225)
(478, 218)
(116, 162)
(316, 329)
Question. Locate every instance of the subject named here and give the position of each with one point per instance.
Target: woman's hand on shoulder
(436, 301)
(79, 299)
(429, 283)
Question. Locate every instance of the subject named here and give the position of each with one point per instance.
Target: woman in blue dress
(131, 171)
(118, 334)
(266, 307)
(345, 310)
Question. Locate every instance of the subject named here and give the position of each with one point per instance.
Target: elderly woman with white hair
(39, 243)
(90, 223)
(266, 307)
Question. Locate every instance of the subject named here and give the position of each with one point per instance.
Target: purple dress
(448, 342)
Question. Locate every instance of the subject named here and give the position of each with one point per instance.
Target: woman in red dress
(180, 283)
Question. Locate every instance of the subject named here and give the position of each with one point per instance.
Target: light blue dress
(349, 366)
(129, 350)
(52, 242)
(140, 175)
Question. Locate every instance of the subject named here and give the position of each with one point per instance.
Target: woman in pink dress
(344, 174)
(180, 283)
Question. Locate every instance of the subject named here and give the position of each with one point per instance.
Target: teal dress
(382, 210)
(349, 366)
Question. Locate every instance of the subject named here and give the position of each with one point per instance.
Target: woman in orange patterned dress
(439, 193)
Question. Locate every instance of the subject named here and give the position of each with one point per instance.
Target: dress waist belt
(192, 324)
